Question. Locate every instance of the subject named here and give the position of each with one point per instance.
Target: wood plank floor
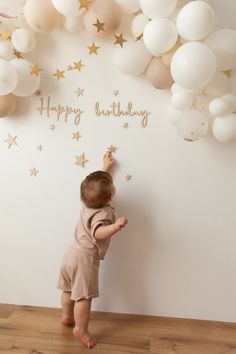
(37, 330)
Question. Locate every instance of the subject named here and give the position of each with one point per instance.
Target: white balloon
(192, 125)
(23, 40)
(176, 88)
(173, 115)
(233, 83)
(138, 24)
(223, 44)
(219, 107)
(160, 35)
(68, 7)
(73, 23)
(182, 100)
(158, 8)
(8, 78)
(27, 83)
(218, 86)
(195, 20)
(231, 99)
(224, 129)
(193, 65)
(6, 50)
(129, 6)
(132, 59)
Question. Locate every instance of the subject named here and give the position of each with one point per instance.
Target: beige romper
(79, 269)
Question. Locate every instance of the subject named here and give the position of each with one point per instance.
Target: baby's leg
(82, 315)
(67, 308)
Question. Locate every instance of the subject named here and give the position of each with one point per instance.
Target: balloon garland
(175, 43)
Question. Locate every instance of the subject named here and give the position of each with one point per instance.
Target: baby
(78, 277)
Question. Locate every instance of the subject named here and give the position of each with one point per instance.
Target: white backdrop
(177, 255)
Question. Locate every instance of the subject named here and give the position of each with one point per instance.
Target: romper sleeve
(101, 218)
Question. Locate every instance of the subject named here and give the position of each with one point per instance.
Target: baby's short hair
(96, 189)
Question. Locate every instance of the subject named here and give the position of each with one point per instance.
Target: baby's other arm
(104, 232)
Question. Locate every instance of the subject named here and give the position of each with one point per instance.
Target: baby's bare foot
(68, 321)
(85, 338)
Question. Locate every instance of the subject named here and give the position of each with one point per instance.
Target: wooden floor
(37, 330)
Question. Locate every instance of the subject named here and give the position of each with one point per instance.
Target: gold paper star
(33, 172)
(120, 40)
(17, 54)
(79, 92)
(38, 93)
(78, 65)
(59, 74)
(11, 140)
(116, 93)
(84, 4)
(35, 70)
(125, 125)
(112, 149)
(99, 25)
(52, 127)
(93, 49)
(128, 177)
(80, 160)
(76, 136)
(5, 35)
(40, 147)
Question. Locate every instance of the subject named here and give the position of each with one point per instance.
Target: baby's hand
(120, 223)
(108, 161)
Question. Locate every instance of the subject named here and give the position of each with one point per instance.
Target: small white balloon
(8, 78)
(173, 115)
(138, 24)
(27, 82)
(182, 100)
(73, 24)
(218, 86)
(6, 50)
(224, 129)
(158, 8)
(23, 40)
(68, 7)
(192, 125)
(219, 107)
(160, 35)
(129, 6)
(231, 99)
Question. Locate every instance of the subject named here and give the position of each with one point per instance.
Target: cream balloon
(195, 20)
(219, 107)
(231, 99)
(138, 24)
(158, 8)
(129, 6)
(68, 7)
(160, 35)
(73, 24)
(27, 82)
(41, 15)
(223, 44)
(192, 125)
(224, 129)
(182, 100)
(6, 50)
(218, 86)
(23, 40)
(7, 105)
(193, 65)
(158, 74)
(8, 78)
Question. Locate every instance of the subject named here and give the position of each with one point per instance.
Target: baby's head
(97, 189)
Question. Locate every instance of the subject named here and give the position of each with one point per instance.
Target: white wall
(177, 255)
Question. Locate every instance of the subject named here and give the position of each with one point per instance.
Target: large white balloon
(182, 100)
(193, 65)
(192, 125)
(73, 23)
(6, 50)
(158, 8)
(8, 78)
(68, 7)
(160, 35)
(23, 40)
(218, 86)
(133, 59)
(138, 24)
(223, 44)
(219, 107)
(27, 82)
(224, 129)
(129, 6)
(195, 20)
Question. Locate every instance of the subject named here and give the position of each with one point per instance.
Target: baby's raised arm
(108, 162)
(103, 232)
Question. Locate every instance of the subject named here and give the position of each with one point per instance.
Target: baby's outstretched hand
(108, 161)
(120, 223)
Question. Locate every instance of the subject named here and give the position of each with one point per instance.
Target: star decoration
(139, 37)
(33, 172)
(59, 74)
(78, 65)
(84, 4)
(116, 93)
(76, 136)
(5, 35)
(17, 54)
(38, 93)
(112, 149)
(93, 49)
(80, 160)
(52, 127)
(99, 25)
(40, 147)
(79, 92)
(11, 140)
(128, 177)
(35, 70)
(120, 40)
(126, 125)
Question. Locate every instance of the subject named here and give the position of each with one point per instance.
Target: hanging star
(99, 25)
(112, 149)
(33, 172)
(93, 49)
(120, 40)
(76, 136)
(80, 160)
(116, 93)
(79, 92)
(78, 65)
(128, 177)
(126, 125)
(52, 127)
(11, 140)
(40, 147)
(84, 4)
(139, 37)
(35, 70)
(5, 35)
(38, 93)
(59, 74)
(17, 54)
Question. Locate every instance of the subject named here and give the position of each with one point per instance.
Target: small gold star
(76, 136)
(93, 49)
(11, 140)
(139, 37)
(78, 65)
(99, 25)
(38, 93)
(120, 40)
(112, 149)
(59, 74)
(126, 125)
(17, 54)
(84, 4)
(40, 147)
(5, 35)
(80, 160)
(35, 70)
(79, 92)
(52, 127)
(116, 93)
(128, 177)
(33, 172)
